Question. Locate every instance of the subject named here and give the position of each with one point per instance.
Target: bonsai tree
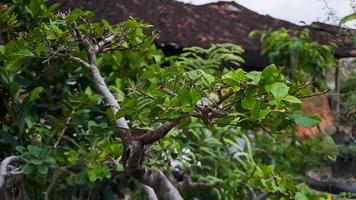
(97, 110)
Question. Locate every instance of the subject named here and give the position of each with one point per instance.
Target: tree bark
(4, 173)
(151, 195)
(160, 183)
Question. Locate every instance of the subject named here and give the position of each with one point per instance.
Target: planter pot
(322, 181)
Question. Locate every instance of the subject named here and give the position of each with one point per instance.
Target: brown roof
(342, 37)
(183, 25)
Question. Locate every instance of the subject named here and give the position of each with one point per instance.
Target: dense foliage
(231, 132)
(348, 97)
(305, 60)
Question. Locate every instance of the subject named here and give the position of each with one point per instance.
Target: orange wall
(319, 105)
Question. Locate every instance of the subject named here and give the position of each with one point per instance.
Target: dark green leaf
(42, 170)
(304, 120)
(184, 97)
(28, 168)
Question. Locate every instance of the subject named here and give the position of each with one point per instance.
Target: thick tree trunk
(160, 183)
(151, 195)
(133, 158)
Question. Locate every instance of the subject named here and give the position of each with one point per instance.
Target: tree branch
(315, 94)
(102, 45)
(98, 47)
(98, 79)
(225, 96)
(189, 183)
(79, 60)
(153, 136)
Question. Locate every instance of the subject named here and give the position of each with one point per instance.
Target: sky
(295, 10)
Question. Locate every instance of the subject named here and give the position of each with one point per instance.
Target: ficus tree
(97, 110)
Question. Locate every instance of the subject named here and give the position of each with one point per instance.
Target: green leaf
(184, 97)
(28, 168)
(20, 149)
(35, 93)
(88, 91)
(207, 78)
(46, 151)
(304, 120)
(194, 74)
(42, 170)
(301, 196)
(132, 23)
(248, 103)
(263, 114)
(36, 161)
(292, 99)
(80, 179)
(129, 106)
(234, 77)
(13, 65)
(270, 74)
(50, 161)
(29, 121)
(23, 53)
(278, 89)
(295, 46)
(34, 150)
(254, 76)
(2, 49)
(92, 176)
(119, 167)
(8, 138)
(77, 13)
(34, 7)
(348, 18)
(252, 35)
(115, 149)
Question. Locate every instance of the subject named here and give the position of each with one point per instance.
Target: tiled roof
(183, 25)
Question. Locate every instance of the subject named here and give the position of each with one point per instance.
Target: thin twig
(142, 93)
(50, 187)
(316, 94)
(167, 91)
(52, 56)
(65, 128)
(225, 96)
(302, 87)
